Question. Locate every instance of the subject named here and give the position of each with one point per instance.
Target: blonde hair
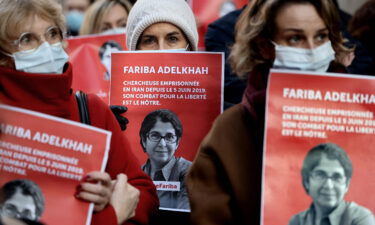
(15, 13)
(95, 13)
(256, 27)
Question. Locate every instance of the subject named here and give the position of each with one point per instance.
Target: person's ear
(178, 142)
(347, 185)
(306, 185)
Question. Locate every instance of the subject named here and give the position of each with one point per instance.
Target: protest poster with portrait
(48, 157)
(90, 56)
(331, 117)
(188, 84)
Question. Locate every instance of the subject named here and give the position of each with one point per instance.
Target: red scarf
(46, 93)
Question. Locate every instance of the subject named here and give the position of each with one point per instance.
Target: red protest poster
(188, 84)
(318, 153)
(47, 156)
(90, 56)
(207, 11)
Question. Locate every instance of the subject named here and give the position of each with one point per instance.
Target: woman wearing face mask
(106, 16)
(74, 11)
(35, 75)
(224, 182)
(161, 25)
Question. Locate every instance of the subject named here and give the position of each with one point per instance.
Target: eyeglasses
(12, 211)
(169, 138)
(321, 177)
(29, 40)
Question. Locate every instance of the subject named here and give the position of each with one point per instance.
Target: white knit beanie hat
(147, 12)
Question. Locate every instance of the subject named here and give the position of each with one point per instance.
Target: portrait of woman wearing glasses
(326, 175)
(160, 134)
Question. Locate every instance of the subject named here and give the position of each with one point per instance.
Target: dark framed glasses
(169, 138)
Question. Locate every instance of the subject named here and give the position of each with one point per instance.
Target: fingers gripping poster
(172, 100)
(319, 149)
(43, 159)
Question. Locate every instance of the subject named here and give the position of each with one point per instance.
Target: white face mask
(117, 30)
(44, 59)
(317, 59)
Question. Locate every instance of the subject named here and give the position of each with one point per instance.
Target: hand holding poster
(47, 157)
(172, 100)
(318, 156)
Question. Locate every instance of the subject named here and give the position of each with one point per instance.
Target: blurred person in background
(36, 75)
(106, 16)
(74, 11)
(362, 27)
(224, 181)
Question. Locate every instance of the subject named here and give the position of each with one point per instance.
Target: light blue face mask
(317, 59)
(44, 59)
(74, 20)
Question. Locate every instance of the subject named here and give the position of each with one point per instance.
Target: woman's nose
(42, 39)
(162, 142)
(329, 183)
(310, 44)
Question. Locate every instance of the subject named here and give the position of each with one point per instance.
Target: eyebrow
(301, 31)
(173, 33)
(168, 34)
(147, 36)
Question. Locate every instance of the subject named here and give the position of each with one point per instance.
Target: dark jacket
(218, 38)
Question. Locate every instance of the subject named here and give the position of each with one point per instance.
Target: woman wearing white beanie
(161, 25)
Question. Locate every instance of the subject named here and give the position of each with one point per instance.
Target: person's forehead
(115, 13)
(161, 27)
(77, 3)
(299, 16)
(160, 126)
(329, 165)
(35, 24)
